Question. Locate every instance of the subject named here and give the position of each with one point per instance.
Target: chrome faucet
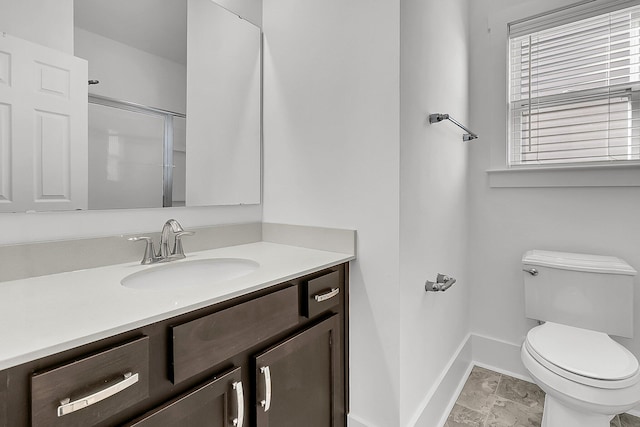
(172, 227)
(164, 254)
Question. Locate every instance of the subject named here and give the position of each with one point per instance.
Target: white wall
(49, 23)
(433, 178)
(331, 156)
(505, 222)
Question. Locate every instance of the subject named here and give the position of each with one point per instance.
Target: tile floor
(490, 399)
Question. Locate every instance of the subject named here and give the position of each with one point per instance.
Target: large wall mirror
(168, 97)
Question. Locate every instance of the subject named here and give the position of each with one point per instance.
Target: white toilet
(588, 378)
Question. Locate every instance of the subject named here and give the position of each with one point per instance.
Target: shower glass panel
(125, 158)
(179, 160)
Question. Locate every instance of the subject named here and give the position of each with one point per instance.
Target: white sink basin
(182, 274)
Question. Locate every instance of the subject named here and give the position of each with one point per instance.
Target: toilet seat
(587, 357)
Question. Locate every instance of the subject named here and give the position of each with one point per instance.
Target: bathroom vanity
(266, 349)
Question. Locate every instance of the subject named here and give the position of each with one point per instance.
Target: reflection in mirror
(137, 64)
(127, 148)
(143, 148)
(124, 151)
(190, 56)
(223, 137)
(43, 125)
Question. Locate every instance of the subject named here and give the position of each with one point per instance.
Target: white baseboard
(355, 421)
(439, 400)
(497, 355)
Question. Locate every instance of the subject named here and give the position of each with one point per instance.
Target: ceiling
(155, 26)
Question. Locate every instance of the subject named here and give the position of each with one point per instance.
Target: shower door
(132, 156)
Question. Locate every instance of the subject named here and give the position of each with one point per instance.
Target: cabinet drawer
(321, 294)
(90, 390)
(205, 342)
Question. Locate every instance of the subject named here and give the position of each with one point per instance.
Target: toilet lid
(582, 352)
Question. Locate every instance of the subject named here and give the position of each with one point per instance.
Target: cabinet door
(216, 403)
(4, 396)
(299, 380)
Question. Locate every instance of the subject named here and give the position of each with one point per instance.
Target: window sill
(566, 176)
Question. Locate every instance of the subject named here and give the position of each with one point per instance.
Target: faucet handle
(178, 251)
(149, 256)
(185, 233)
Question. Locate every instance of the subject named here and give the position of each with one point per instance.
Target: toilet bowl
(588, 378)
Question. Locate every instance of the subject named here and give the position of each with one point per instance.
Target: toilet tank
(586, 291)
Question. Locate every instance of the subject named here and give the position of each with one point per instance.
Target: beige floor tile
(523, 392)
(482, 383)
(465, 417)
(505, 413)
(627, 420)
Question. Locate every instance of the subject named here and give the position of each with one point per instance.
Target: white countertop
(45, 315)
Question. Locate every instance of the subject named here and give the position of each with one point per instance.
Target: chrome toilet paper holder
(442, 283)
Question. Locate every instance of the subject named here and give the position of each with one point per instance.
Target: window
(574, 89)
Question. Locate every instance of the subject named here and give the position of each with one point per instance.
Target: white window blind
(573, 91)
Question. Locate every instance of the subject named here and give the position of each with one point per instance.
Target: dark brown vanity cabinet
(275, 357)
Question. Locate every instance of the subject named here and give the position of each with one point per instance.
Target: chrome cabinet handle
(531, 271)
(239, 420)
(67, 407)
(266, 403)
(323, 297)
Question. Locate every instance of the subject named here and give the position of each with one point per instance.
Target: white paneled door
(43, 128)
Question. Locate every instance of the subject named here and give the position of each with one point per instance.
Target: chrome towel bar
(438, 117)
